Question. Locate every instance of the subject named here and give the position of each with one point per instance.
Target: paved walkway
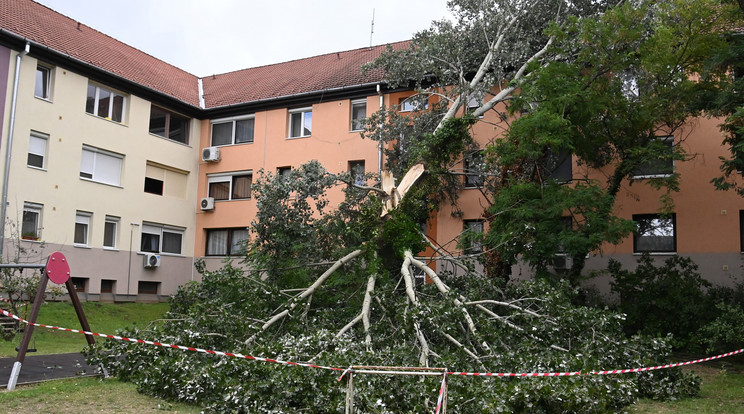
(37, 368)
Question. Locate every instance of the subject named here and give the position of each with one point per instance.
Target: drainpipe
(379, 146)
(11, 127)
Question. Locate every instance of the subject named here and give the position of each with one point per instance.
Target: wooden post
(79, 310)
(27, 332)
(350, 393)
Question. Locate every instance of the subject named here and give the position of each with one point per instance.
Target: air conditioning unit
(562, 262)
(207, 204)
(152, 261)
(211, 154)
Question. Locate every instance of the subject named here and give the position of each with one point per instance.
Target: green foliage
(211, 315)
(670, 298)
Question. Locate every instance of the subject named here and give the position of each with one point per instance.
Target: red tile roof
(42, 25)
(318, 73)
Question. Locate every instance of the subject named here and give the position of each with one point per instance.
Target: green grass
(102, 317)
(86, 394)
(722, 391)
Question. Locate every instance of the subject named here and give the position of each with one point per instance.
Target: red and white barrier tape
(440, 400)
(185, 348)
(471, 374)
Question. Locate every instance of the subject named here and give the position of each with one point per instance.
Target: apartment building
(134, 168)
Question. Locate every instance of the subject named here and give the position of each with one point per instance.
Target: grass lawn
(86, 395)
(722, 391)
(102, 317)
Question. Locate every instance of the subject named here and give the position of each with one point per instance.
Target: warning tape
(440, 399)
(469, 374)
(165, 345)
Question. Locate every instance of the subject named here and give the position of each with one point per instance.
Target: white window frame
(37, 145)
(230, 242)
(413, 103)
(303, 116)
(111, 221)
(97, 101)
(169, 116)
(46, 78)
(658, 229)
(474, 177)
(99, 156)
(159, 230)
(228, 178)
(358, 179)
(37, 209)
(472, 226)
(665, 140)
(82, 218)
(234, 124)
(356, 124)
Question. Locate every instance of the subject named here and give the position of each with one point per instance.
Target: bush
(671, 298)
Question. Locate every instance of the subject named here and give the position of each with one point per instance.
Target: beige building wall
(60, 191)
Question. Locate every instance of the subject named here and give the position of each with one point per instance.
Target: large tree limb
(307, 292)
(364, 314)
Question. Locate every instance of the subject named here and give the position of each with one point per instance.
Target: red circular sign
(57, 268)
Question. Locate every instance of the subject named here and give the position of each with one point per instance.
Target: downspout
(8, 149)
(379, 146)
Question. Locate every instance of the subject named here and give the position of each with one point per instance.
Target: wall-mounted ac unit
(211, 154)
(151, 260)
(562, 262)
(207, 204)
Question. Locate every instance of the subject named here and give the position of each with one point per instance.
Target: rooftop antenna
(372, 31)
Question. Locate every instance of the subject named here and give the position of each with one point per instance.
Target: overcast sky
(205, 37)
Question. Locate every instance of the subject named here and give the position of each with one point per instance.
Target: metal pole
(350, 393)
(28, 331)
(9, 147)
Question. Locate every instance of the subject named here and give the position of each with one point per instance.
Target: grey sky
(216, 36)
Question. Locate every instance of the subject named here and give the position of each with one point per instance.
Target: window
(43, 82)
(110, 232)
(473, 166)
(475, 100)
(655, 233)
(235, 186)
(107, 285)
(169, 125)
(159, 238)
(358, 113)
(284, 171)
(105, 103)
(31, 224)
(79, 283)
(414, 103)
(148, 288)
(356, 169)
(101, 166)
(300, 122)
(473, 233)
(82, 228)
(559, 166)
(37, 146)
(165, 181)
(226, 242)
(236, 131)
(662, 167)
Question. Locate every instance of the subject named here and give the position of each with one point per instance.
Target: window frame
(637, 238)
(159, 230)
(97, 153)
(82, 219)
(473, 180)
(356, 177)
(303, 112)
(413, 103)
(356, 123)
(46, 78)
(111, 220)
(234, 128)
(229, 242)
(96, 97)
(468, 226)
(639, 174)
(230, 179)
(42, 137)
(32, 208)
(169, 115)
